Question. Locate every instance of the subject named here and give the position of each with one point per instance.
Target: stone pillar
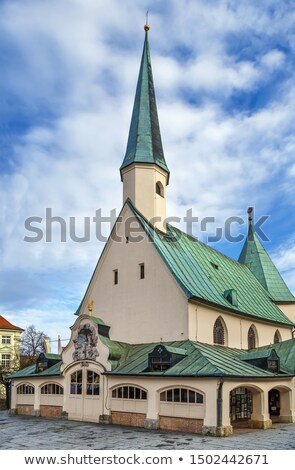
(37, 396)
(152, 416)
(105, 401)
(12, 411)
(210, 421)
(260, 417)
(287, 412)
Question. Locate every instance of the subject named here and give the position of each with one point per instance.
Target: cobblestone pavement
(25, 433)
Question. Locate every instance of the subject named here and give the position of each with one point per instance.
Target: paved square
(25, 433)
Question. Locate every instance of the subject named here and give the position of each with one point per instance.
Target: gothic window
(52, 389)
(181, 395)
(219, 332)
(277, 337)
(251, 338)
(159, 189)
(76, 383)
(129, 393)
(25, 389)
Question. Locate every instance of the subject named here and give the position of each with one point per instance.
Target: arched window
(181, 395)
(159, 189)
(52, 389)
(92, 386)
(251, 338)
(219, 332)
(277, 337)
(25, 389)
(129, 393)
(76, 383)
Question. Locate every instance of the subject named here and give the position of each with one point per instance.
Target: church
(171, 334)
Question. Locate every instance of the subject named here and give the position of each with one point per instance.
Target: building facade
(9, 353)
(170, 334)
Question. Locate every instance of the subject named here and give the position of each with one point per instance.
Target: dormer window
(273, 362)
(266, 359)
(272, 365)
(42, 363)
(159, 189)
(231, 296)
(164, 357)
(45, 361)
(159, 359)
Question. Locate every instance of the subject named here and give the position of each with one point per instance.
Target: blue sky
(224, 78)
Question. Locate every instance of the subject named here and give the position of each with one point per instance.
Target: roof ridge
(191, 270)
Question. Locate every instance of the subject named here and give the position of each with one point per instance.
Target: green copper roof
(256, 354)
(144, 141)
(51, 356)
(205, 274)
(30, 371)
(256, 258)
(286, 352)
(202, 360)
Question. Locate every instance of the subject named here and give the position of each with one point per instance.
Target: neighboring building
(170, 334)
(9, 353)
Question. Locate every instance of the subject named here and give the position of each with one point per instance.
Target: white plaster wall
(154, 386)
(138, 310)
(130, 406)
(202, 319)
(288, 310)
(139, 185)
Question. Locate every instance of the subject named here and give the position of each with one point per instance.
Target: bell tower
(144, 172)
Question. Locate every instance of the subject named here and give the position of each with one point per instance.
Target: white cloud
(75, 76)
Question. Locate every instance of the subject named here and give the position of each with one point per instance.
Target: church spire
(144, 141)
(258, 261)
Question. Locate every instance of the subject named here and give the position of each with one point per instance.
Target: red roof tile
(6, 325)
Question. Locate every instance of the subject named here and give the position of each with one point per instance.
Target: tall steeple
(144, 141)
(258, 261)
(144, 171)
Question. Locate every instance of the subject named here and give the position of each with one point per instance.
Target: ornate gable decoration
(85, 343)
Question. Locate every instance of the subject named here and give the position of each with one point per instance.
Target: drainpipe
(219, 403)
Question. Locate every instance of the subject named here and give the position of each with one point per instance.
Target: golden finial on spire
(90, 307)
(250, 212)
(147, 26)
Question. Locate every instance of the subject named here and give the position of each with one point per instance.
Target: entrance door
(274, 402)
(84, 395)
(240, 404)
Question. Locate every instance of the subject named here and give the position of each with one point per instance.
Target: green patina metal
(201, 360)
(205, 274)
(286, 352)
(30, 371)
(179, 351)
(256, 258)
(198, 360)
(144, 141)
(52, 357)
(257, 354)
